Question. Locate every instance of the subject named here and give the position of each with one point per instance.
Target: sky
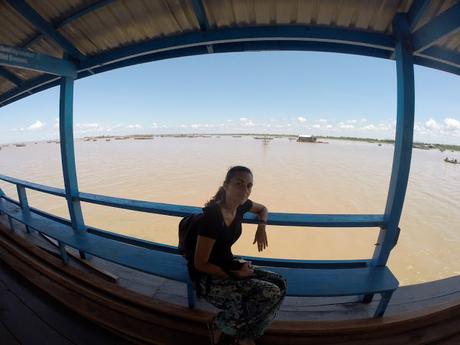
(258, 92)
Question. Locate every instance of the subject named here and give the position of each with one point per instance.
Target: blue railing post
(1, 194)
(403, 144)
(68, 155)
(22, 195)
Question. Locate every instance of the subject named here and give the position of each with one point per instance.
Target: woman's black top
(212, 225)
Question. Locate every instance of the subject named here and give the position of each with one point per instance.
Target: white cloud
(87, 126)
(322, 120)
(155, 125)
(37, 125)
(135, 126)
(452, 124)
(316, 126)
(351, 121)
(301, 119)
(420, 128)
(245, 122)
(345, 126)
(363, 120)
(432, 124)
(370, 127)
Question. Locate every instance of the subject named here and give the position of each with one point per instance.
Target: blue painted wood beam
(442, 55)
(29, 87)
(35, 186)
(439, 27)
(23, 202)
(200, 14)
(22, 58)
(403, 144)
(45, 28)
(416, 12)
(241, 47)
(68, 155)
(422, 61)
(10, 76)
(173, 249)
(246, 34)
(285, 219)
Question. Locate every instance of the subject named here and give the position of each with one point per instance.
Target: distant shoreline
(417, 145)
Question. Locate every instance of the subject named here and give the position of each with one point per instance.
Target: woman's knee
(279, 281)
(272, 292)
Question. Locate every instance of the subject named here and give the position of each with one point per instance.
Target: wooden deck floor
(28, 316)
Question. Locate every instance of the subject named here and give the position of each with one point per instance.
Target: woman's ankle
(217, 335)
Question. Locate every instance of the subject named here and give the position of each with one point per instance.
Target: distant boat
(20, 145)
(306, 139)
(451, 160)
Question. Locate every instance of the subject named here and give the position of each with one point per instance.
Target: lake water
(338, 177)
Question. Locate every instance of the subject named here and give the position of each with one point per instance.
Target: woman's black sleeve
(208, 226)
(246, 206)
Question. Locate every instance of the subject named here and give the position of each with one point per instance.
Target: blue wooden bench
(316, 280)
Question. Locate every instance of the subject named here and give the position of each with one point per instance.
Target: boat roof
(97, 36)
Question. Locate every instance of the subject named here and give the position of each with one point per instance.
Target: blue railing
(282, 219)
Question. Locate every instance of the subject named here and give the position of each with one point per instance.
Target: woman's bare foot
(214, 332)
(216, 336)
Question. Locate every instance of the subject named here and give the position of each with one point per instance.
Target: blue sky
(263, 92)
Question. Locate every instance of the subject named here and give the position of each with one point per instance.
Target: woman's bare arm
(260, 210)
(203, 250)
(261, 234)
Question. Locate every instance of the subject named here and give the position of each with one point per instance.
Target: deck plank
(5, 336)
(26, 326)
(34, 318)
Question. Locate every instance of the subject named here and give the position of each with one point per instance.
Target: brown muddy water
(338, 177)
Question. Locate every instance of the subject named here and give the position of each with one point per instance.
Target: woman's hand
(261, 237)
(244, 272)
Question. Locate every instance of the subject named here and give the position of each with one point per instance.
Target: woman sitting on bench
(249, 297)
